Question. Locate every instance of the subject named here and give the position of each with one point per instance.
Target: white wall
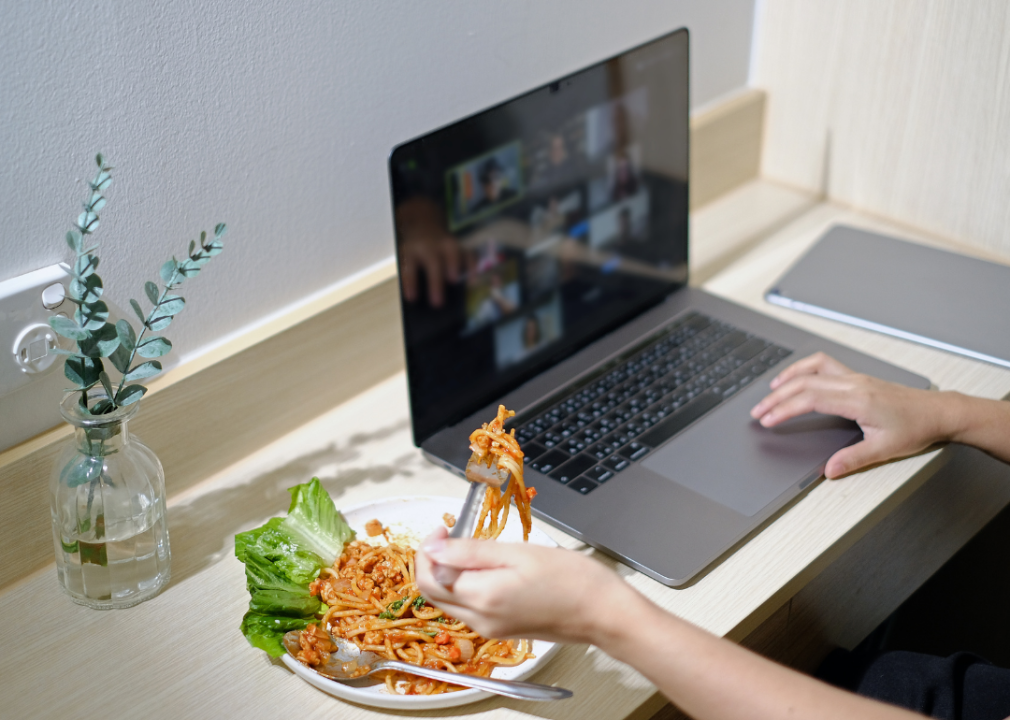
(277, 118)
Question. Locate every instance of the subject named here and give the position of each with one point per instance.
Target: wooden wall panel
(899, 108)
(726, 146)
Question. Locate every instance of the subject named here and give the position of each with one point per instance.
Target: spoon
(351, 663)
(479, 475)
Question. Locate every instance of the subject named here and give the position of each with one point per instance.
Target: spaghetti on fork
(492, 445)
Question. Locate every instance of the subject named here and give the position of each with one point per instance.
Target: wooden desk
(814, 575)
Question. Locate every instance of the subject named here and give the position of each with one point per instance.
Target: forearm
(711, 678)
(979, 422)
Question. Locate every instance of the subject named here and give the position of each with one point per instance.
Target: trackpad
(732, 460)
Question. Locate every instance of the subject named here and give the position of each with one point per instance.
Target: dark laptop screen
(530, 229)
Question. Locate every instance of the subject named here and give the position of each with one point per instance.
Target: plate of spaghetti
(373, 601)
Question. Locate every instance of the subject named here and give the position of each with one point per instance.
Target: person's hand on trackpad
(897, 421)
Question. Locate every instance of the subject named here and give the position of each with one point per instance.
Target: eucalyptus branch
(89, 328)
(165, 308)
(95, 337)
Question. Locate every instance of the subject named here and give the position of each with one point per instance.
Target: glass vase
(107, 497)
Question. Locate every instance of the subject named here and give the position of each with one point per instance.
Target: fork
(349, 663)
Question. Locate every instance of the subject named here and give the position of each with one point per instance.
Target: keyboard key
(599, 474)
(573, 468)
(549, 461)
(583, 485)
(532, 450)
(616, 463)
(634, 451)
(600, 451)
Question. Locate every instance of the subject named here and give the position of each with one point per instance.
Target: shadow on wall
(202, 531)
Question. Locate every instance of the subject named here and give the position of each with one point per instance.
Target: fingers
(469, 554)
(827, 402)
(808, 393)
(855, 457)
(816, 364)
(408, 276)
(450, 257)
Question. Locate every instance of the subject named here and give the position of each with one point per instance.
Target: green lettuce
(282, 557)
(265, 631)
(314, 523)
(272, 543)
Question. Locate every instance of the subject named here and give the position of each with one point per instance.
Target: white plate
(410, 520)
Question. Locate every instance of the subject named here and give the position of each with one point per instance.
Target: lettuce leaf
(314, 523)
(265, 631)
(283, 602)
(282, 557)
(270, 542)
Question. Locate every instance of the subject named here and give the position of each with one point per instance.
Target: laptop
(542, 247)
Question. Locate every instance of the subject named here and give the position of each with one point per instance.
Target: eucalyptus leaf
(189, 268)
(130, 394)
(214, 248)
(96, 203)
(92, 316)
(171, 305)
(144, 370)
(74, 240)
(152, 292)
(192, 245)
(68, 328)
(127, 336)
(102, 181)
(87, 222)
(159, 323)
(121, 357)
(85, 265)
(136, 308)
(61, 351)
(87, 290)
(85, 471)
(103, 377)
(101, 343)
(167, 272)
(99, 159)
(83, 372)
(220, 229)
(154, 347)
(102, 406)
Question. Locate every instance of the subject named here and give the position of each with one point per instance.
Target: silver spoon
(479, 475)
(350, 663)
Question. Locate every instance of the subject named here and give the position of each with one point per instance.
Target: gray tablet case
(918, 293)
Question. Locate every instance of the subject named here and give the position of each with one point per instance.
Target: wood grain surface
(898, 108)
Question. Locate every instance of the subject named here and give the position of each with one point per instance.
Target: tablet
(934, 297)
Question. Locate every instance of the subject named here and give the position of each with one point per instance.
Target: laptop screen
(530, 229)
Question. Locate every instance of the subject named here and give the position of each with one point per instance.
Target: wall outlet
(31, 375)
(26, 341)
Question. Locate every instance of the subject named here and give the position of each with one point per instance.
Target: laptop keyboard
(589, 432)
